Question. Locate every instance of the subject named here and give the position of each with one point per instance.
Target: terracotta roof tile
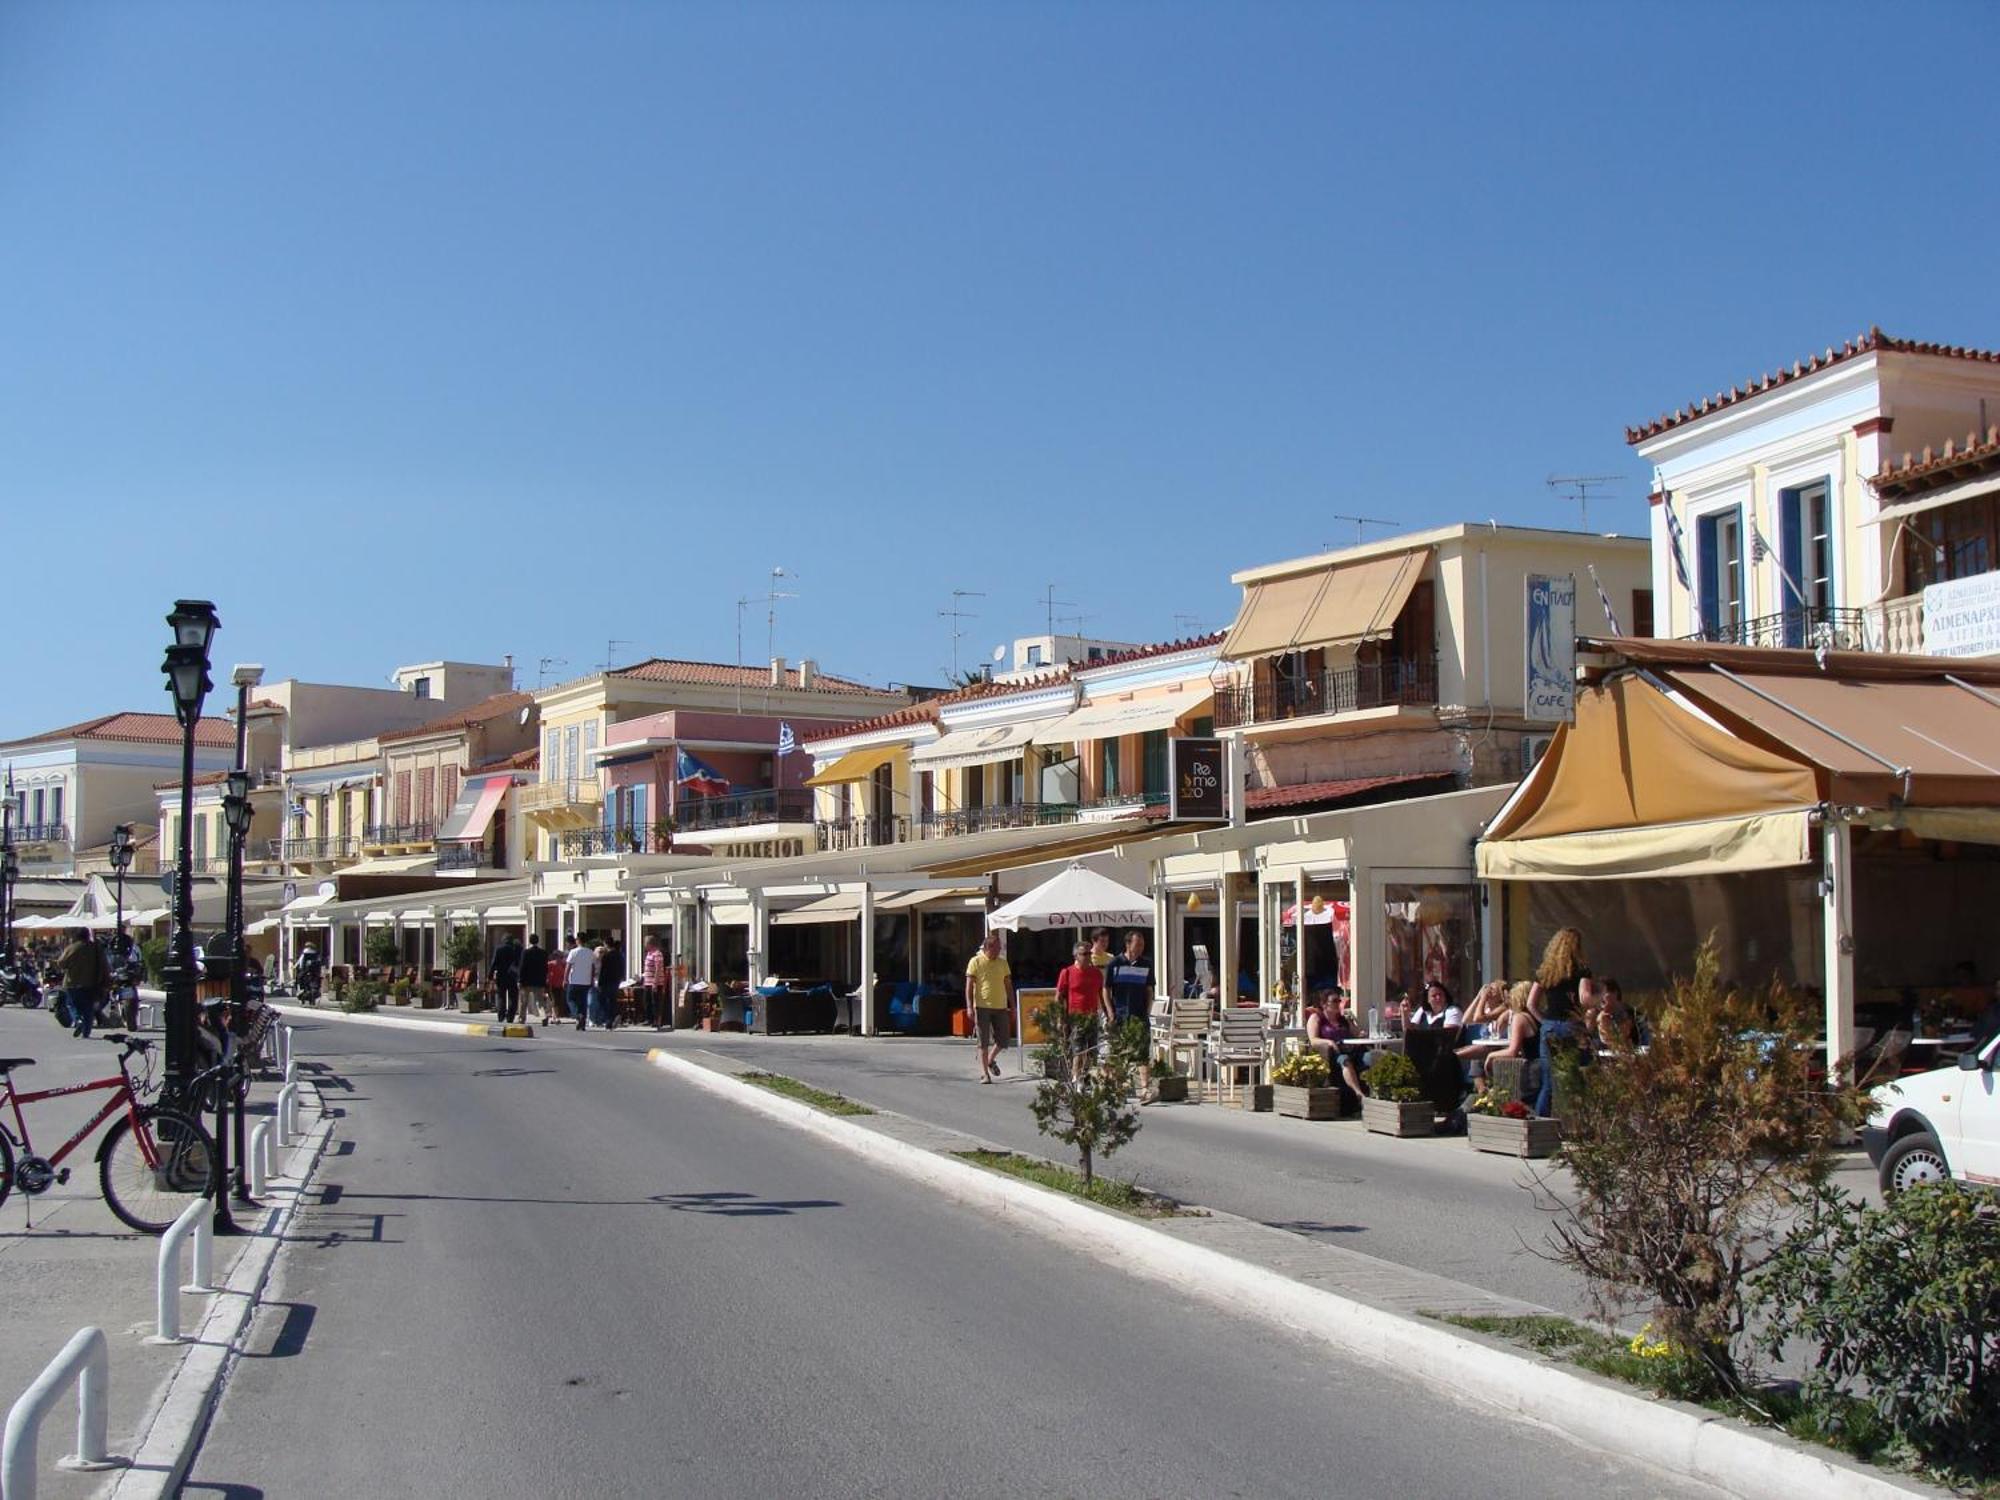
(720, 674)
(500, 705)
(139, 729)
(1872, 342)
(977, 690)
(914, 713)
(1929, 469)
(522, 760)
(1160, 648)
(1328, 791)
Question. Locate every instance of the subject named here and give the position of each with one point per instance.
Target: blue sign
(1550, 694)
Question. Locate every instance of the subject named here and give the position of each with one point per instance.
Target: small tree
(1087, 1109)
(381, 948)
(462, 949)
(1690, 1160)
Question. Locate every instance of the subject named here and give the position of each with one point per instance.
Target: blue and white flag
(787, 741)
(695, 775)
(1677, 550)
(1610, 614)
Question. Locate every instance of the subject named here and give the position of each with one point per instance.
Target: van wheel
(1913, 1161)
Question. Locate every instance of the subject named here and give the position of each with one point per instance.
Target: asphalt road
(549, 1270)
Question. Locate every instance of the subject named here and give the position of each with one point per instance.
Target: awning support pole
(867, 987)
(1837, 887)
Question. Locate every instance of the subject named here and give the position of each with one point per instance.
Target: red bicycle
(151, 1164)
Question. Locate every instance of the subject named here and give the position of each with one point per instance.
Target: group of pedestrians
(1100, 990)
(581, 983)
(91, 971)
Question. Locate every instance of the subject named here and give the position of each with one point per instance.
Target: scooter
(19, 984)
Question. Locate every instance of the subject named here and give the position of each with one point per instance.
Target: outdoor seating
(1236, 1046)
(1184, 1032)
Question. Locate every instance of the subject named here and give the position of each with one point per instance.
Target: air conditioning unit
(1533, 748)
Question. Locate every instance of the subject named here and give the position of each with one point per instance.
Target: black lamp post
(229, 1092)
(10, 871)
(186, 667)
(121, 861)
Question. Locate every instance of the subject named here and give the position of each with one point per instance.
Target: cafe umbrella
(1078, 897)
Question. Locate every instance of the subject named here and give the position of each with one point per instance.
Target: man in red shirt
(1080, 988)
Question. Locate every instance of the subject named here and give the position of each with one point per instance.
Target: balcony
(1819, 626)
(309, 851)
(544, 798)
(587, 843)
(455, 858)
(41, 833)
(1396, 683)
(397, 835)
(869, 833)
(744, 809)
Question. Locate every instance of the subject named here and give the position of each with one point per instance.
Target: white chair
(1184, 1031)
(1236, 1046)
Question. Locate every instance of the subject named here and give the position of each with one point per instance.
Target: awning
(965, 900)
(310, 901)
(1715, 846)
(856, 765)
(841, 906)
(330, 780)
(973, 747)
(729, 913)
(1343, 603)
(1078, 897)
(1103, 721)
(394, 864)
(1950, 494)
(471, 814)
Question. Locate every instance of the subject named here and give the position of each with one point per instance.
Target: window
(1107, 769)
(1805, 554)
(975, 787)
(1034, 656)
(448, 788)
(1719, 549)
(400, 811)
(1963, 533)
(41, 806)
(200, 829)
(926, 793)
(56, 805)
(572, 753)
(420, 686)
(1642, 611)
(1153, 761)
(551, 771)
(426, 795)
(1096, 653)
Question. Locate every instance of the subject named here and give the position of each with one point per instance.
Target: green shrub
(462, 950)
(1394, 1077)
(1902, 1304)
(1086, 1108)
(1131, 1040)
(1690, 1161)
(153, 955)
(1304, 1069)
(400, 991)
(381, 948)
(361, 997)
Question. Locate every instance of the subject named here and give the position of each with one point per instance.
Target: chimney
(777, 671)
(808, 671)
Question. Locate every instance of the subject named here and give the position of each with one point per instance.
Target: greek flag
(1610, 614)
(1761, 549)
(787, 741)
(1677, 550)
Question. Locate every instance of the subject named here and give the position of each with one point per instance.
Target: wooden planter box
(1385, 1117)
(1302, 1103)
(1505, 1137)
(1253, 1096)
(1172, 1090)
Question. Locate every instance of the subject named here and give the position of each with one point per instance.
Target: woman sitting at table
(1487, 1012)
(1517, 1033)
(1327, 1026)
(1433, 1009)
(1615, 1026)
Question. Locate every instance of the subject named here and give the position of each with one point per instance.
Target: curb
(411, 1023)
(174, 1428)
(1683, 1440)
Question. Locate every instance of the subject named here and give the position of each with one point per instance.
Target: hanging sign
(1196, 792)
(1550, 691)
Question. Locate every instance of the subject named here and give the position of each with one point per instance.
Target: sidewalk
(78, 1266)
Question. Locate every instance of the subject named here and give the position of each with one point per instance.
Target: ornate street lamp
(121, 861)
(186, 668)
(10, 871)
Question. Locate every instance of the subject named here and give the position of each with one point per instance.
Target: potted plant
(1505, 1126)
(381, 950)
(399, 992)
(1170, 1085)
(1396, 1102)
(1302, 1087)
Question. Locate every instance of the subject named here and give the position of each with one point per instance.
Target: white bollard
(86, 1360)
(196, 1219)
(285, 1049)
(287, 1121)
(291, 1072)
(260, 1157)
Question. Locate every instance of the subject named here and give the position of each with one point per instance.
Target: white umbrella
(1076, 898)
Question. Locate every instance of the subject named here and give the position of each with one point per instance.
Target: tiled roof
(1928, 469)
(521, 760)
(1328, 791)
(139, 729)
(972, 692)
(913, 713)
(500, 705)
(1161, 648)
(719, 674)
(1872, 342)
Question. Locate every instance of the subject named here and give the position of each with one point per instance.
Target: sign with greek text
(1198, 792)
(1551, 654)
(1962, 617)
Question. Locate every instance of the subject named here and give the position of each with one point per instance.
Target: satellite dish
(527, 710)
(999, 653)
(327, 887)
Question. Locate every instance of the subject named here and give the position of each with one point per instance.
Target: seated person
(1520, 1030)
(1615, 1026)
(1488, 1010)
(1435, 1008)
(1327, 1026)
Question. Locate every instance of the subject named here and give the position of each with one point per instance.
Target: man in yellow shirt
(989, 987)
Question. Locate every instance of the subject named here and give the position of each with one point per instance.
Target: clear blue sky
(420, 329)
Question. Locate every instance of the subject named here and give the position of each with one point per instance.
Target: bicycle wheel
(6, 1166)
(152, 1174)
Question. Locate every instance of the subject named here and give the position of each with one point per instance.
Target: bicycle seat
(9, 1064)
(114, 1037)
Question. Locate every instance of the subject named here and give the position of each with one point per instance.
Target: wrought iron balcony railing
(741, 809)
(1398, 681)
(378, 835)
(41, 833)
(342, 846)
(1819, 626)
(462, 856)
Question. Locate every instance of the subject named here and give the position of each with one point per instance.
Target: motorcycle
(19, 984)
(305, 988)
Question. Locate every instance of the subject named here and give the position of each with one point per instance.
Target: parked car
(1940, 1124)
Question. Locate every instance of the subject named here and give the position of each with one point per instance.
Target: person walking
(505, 972)
(535, 979)
(82, 965)
(1555, 999)
(580, 975)
(558, 983)
(610, 982)
(653, 975)
(1080, 990)
(988, 986)
(1131, 977)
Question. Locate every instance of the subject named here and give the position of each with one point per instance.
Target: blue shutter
(1708, 571)
(1791, 553)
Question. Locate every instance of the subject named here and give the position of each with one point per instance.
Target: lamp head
(187, 679)
(121, 848)
(10, 865)
(194, 622)
(247, 674)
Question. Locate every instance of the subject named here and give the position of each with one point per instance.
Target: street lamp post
(10, 871)
(121, 861)
(186, 667)
(236, 812)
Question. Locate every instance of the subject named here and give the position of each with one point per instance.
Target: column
(867, 1001)
(1298, 975)
(1364, 927)
(1226, 960)
(760, 937)
(1164, 946)
(1837, 886)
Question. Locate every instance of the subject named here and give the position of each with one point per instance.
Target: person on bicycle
(306, 974)
(83, 976)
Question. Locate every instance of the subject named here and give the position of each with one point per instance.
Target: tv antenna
(955, 614)
(742, 604)
(1075, 621)
(1050, 602)
(542, 669)
(1190, 625)
(772, 594)
(1361, 521)
(611, 654)
(1579, 487)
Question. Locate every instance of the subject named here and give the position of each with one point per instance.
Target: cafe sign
(1551, 656)
(1198, 793)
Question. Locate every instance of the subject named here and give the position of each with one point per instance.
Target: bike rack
(86, 1362)
(196, 1219)
(261, 1158)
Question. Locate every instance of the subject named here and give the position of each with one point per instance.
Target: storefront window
(1430, 932)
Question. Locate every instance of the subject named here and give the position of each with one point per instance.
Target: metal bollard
(196, 1219)
(285, 1049)
(260, 1157)
(86, 1360)
(287, 1121)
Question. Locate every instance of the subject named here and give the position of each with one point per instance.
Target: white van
(1944, 1123)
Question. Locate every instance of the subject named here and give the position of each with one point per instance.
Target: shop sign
(758, 848)
(1550, 695)
(1199, 792)
(1962, 617)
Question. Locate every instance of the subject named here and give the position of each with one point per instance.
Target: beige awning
(729, 914)
(943, 900)
(856, 765)
(1715, 846)
(1103, 721)
(1340, 604)
(841, 906)
(974, 747)
(1951, 494)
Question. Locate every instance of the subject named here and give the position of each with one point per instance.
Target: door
(1805, 553)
